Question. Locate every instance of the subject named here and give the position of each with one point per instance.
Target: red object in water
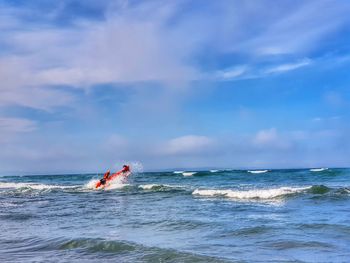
(107, 177)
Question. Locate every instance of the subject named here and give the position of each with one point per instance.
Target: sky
(88, 85)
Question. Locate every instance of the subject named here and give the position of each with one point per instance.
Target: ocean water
(208, 216)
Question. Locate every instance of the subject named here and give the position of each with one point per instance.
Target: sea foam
(318, 169)
(257, 171)
(250, 194)
(188, 173)
(35, 186)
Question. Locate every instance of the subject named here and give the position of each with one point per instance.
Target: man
(104, 179)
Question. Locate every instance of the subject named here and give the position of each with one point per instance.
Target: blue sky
(87, 85)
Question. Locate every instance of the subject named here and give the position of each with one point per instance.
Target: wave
(251, 194)
(134, 252)
(188, 173)
(319, 189)
(28, 187)
(178, 172)
(257, 171)
(318, 169)
(160, 187)
(90, 249)
(213, 171)
(35, 186)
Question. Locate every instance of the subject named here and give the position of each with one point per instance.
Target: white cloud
(231, 73)
(16, 125)
(288, 67)
(189, 144)
(265, 136)
(133, 46)
(270, 139)
(128, 47)
(300, 28)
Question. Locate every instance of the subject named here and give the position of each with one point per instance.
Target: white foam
(318, 169)
(188, 173)
(214, 171)
(257, 171)
(91, 184)
(116, 185)
(35, 186)
(149, 186)
(250, 194)
(178, 172)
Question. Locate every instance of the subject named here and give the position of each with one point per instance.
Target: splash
(91, 184)
(135, 166)
(117, 183)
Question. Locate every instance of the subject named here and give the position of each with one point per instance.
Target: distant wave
(178, 172)
(251, 194)
(318, 169)
(160, 187)
(257, 171)
(34, 186)
(213, 171)
(188, 173)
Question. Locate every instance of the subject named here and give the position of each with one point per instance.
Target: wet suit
(105, 177)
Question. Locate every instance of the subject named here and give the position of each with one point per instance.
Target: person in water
(108, 175)
(105, 177)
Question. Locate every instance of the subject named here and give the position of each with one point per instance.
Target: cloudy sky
(86, 85)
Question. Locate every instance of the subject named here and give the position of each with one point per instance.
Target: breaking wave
(257, 171)
(318, 169)
(188, 173)
(251, 194)
(33, 186)
(274, 193)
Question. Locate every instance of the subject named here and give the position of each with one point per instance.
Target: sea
(296, 215)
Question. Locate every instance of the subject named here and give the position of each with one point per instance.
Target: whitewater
(298, 215)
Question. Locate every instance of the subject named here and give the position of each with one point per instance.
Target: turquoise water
(209, 216)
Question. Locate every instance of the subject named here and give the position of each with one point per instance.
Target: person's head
(126, 167)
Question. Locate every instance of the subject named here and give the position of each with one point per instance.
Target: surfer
(104, 179)
(107, 176)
